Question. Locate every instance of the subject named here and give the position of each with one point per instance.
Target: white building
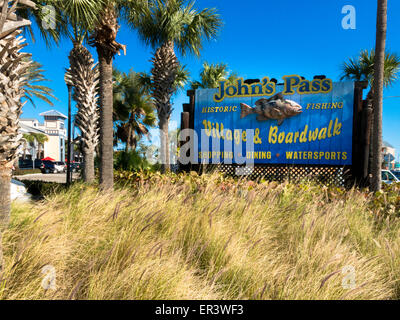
(54, 127)
(389, 156)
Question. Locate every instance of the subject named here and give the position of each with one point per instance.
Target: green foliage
(386, 203)
(34, 76)
(133, 108)
(181, 79)
(131, 161)
(40, 137)
(43, 189)
(177, 21)
(362, 68)
(28, 137)
(212, 74)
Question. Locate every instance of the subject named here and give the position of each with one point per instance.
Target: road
(51, 177)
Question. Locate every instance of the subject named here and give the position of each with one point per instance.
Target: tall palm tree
(167, 25)
(83, 75)
(104, 38)
(212, 74)
(133, 108)
(14, 66)
(100, 18)
(12, 70)
(379, 80)
(362, 69)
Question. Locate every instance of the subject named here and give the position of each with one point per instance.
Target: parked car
(38, 163)
(397, 174)
(388, 177)
(25, 164)
(60, 166)
(48, 167)
(75, 166)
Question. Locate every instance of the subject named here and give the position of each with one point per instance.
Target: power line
(391, 97)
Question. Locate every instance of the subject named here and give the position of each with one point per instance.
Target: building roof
(28, 129)
(28, 119)
(53, 113)
(386, 144)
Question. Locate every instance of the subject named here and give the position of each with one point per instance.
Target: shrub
(42, 189)
(131, 161)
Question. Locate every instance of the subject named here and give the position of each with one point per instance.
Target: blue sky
(259, 38)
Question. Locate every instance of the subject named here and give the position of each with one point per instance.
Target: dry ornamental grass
(190, 237)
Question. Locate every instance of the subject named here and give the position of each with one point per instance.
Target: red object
(48, 159)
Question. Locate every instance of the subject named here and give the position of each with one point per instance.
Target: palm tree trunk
(106, 120)
(381, 27)
(25, 147)
(165, 66)
(129, 138)
(5, 204)
(164, 144)
(88, 165)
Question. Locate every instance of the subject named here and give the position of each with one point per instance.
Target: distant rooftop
(27, 129)
(53, 113)
(387, 144)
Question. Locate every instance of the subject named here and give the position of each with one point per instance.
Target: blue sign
(297, 122)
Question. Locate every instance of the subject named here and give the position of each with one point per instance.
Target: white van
(388, 177)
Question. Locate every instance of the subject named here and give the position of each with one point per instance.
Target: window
(386, 176)
(61, 125)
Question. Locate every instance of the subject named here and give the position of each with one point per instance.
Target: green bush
(131, 161)
(21, 172)
(41, 188)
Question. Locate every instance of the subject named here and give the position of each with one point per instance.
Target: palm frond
(362, 68)
(163, 21)
(34, 74)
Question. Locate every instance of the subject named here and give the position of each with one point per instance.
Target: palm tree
(167, 25)
(14, 70)
(83, 75)
(212, 74)
(133, 108)
(27, 139)
(362, 69)
(379, 81)
(40, 139)
(104, 39)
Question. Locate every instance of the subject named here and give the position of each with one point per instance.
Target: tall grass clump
(202, 237)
